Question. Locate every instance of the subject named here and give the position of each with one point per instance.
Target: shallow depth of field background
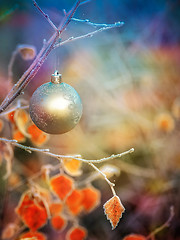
(129, 82)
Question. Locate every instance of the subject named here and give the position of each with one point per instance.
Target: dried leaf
(21, 119)
(62, 185)
(32, 212)
(18, 136)
(91, 198)
(37, 136)
(134, 237)
(72, 166)
(58, 223)
(10, 116)
(76, 233)
(113, 209)
(74, 202)
(14, 179)
(1, 125)
(55, 208)
(165, 122)
(27, 52)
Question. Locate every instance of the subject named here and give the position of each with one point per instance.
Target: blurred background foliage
(129, 82)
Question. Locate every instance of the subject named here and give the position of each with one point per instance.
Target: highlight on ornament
(55, 107)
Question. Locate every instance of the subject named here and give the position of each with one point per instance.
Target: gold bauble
(55, 107)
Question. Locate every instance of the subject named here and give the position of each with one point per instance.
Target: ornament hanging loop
(56, 77)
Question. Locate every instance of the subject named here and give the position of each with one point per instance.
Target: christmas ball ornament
(55, 107)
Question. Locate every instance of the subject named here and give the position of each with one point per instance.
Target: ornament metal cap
(56, 77)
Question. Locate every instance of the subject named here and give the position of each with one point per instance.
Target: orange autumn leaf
(1, 125)
(27, 52)
(18, 136)
(38, 137)
(90, 199)
(134, 237)
(76, 233)
(62, 185)
(21, 119)
(55, 208)
(14, 179)
(10, 116)
(72, 166)
(165, 122)
(32, 235)
(74, 201)
(113, 210)
(32, 212)
(58, 223)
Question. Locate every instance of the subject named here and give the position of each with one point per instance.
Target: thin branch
(90, 34)
(84, 2)
(162, 227)
(126, 167)
(58, 156)
(37, 63)
(105, 178)
(101, 25)
(45, 15)
(17, 106)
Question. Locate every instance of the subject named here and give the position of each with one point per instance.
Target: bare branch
(37, 63)
(124, 166)
(84, 2)
(90, 34)
(45, 15)
(162, 227)
(105, 178)
(58, 156)
(101, 25)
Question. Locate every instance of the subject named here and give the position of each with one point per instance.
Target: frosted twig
(104, 176)
(58, 156)
(90, 34)
(46, 16)
(39, 60)
(165, 225)
(17, 106)
(126, 167)
(101, 25)
(84, 2)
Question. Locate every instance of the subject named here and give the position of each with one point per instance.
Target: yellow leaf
(113, 209)
(21, 119)
(72, 166)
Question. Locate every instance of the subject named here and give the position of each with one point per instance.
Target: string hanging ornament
(55, 107)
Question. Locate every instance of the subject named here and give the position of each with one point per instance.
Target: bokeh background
(129, 82)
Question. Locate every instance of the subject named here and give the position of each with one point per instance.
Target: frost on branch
(113, 209)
